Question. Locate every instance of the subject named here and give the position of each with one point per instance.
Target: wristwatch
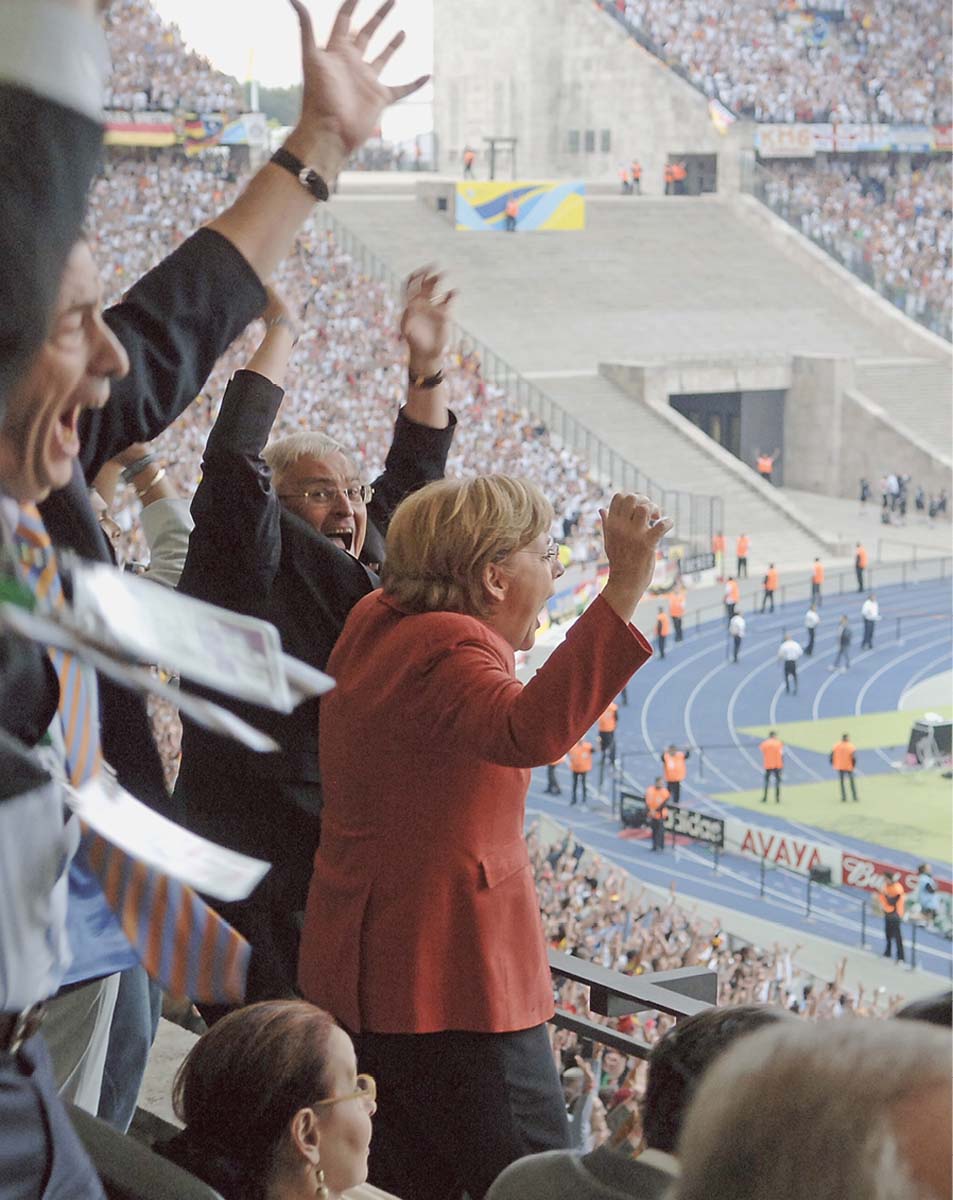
(306, 176)
(424, 382)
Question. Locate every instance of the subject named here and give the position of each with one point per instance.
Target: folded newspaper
(123, 624)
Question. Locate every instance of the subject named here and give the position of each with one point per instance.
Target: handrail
(696, 517)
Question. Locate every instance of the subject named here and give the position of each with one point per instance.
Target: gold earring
(320, 1187)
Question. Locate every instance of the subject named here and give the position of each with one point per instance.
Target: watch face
(314, 183)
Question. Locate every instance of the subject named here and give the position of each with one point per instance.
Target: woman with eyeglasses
(273, 1107)
(422, 933)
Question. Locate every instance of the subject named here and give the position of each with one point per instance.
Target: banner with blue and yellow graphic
(502, 206)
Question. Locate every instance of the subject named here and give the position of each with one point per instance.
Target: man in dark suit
(280, 534)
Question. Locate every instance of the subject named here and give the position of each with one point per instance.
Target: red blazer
(422, 914)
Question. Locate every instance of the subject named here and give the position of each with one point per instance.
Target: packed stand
(890, 226)
(886, 64)
(153, 69)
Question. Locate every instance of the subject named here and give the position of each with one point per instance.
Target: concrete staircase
(916, 393)
(660, 446)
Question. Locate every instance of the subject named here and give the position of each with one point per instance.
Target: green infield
(911, 811)
(872, 731)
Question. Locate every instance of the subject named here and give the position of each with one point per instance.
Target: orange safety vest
(580, 758)
(842, 756)
(861, 559)
(608, 720)
(669, 174)
(742, 545)
(512, 208)
(818, 575)
(624, 175)
(679, 172)
(655, 801)
(772, 752)
(733, 592)
(718, 544)
(892, 898)
(676, 604)
(663, 624)
(674, 766)
(765, 464)
(636, 170)
(469, 157)
(771, 579)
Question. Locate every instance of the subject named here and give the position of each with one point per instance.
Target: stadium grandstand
(686, 273)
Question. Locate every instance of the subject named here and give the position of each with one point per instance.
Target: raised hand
(425, 323)
(632, 529)
(343, 94)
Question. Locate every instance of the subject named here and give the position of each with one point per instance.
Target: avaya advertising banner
(860, 872)
(780, 849)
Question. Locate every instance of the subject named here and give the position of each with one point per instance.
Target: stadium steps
(659, 446)
(913, 392)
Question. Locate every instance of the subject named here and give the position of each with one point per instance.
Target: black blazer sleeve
(174, 323)
(417, 455)
(235, 547)
(48, 154)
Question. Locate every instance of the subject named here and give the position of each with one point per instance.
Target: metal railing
(837, 583)
(696, 517)
(846, 250)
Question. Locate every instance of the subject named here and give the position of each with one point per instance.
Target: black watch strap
(306, 176)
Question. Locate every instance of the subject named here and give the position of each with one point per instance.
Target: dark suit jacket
(48, 154)
(174, 323)
(249, 554)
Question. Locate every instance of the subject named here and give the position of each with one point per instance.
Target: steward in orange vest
(732, 596)
(655, 798)
(512, 211)
(673, 760)
(676, 609)
(817, 578)
(742, 546)
(718, 549)
(607, 726)
(772, 755)
(668, 176)
(580, 763)
(663, 628)
(469, 158)
(860, 565)
(891, 901)
(770, 587)
(637, 176)
(844, 761)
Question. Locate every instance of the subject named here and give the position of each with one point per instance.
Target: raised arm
(341, 104)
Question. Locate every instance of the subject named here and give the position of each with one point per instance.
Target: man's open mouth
(342, 537)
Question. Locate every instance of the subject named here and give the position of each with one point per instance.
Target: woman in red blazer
(422, 933)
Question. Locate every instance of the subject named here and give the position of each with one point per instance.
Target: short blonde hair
(442, 538)
(283, 452)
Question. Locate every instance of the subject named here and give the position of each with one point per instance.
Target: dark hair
(682, 1056)
(938, 1010)
(239, 1087)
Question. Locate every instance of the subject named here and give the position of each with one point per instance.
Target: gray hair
(283, 452)
(802, 1112)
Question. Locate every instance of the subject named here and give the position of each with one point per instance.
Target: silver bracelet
(281, 320)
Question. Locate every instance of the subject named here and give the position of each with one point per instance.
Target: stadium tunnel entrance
(701, 174)
(742, 422)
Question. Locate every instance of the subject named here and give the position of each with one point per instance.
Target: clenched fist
(632, 529)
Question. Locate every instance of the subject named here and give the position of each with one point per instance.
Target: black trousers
(849, 775)
(843, 654)
(607, 743)
(768, 772)
(816, 592)
(729, 610)
(40, 1154)
(809, 648)
(660, 643)
(576, 776)
(552, 783)
(677, 622)
(766, 599)
(790, 675)
(657, 826)
(893, 932)
(742, 569)
(868, 639)
(736, 649)
(454, 1109)
(860, 577)
(675, 789)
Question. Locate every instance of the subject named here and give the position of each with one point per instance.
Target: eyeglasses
(550, 556)
(356, 493)
(365, 1089)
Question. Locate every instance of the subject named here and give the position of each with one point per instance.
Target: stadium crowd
(889, 225)
(420, 922)
(153, 68)
(888, 63)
